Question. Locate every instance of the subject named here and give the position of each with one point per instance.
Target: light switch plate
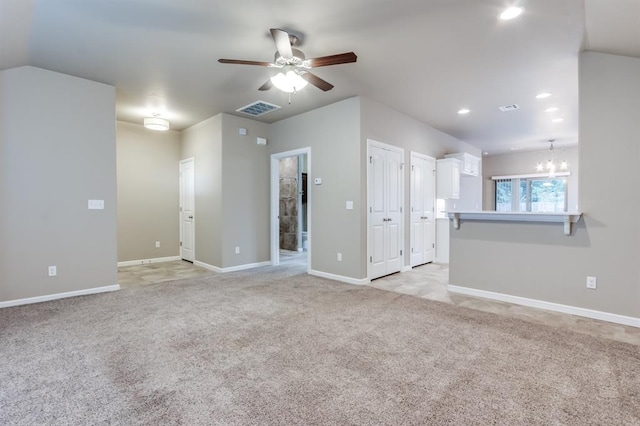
(317, 181)
(96, 205)
(349, 205)
(242, 131)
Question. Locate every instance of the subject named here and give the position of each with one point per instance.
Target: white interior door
(377, 212)
(187, 224)
(395, 191)
(385, 198)
(422, 213)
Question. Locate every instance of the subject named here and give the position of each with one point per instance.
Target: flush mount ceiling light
(511, 12)
(543, 95)
(552, 109)
(288, 80)
(464, 111)
(156, 123)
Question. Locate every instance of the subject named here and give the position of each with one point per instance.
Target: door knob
(190, 217)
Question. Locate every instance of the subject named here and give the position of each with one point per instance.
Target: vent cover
(506, 108)
(258, 108)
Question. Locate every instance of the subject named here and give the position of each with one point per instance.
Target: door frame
(370, 143)
(414, 154)
(193, 227)
(275, 203)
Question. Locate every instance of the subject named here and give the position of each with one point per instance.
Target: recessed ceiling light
(517, 148)
(485, 153)
(511, 12)
(464, 111)
(543, 95)
(557, 120)
(552, 109)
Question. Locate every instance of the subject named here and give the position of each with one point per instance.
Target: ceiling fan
(294, 68)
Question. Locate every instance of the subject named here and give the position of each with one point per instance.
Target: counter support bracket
(566, 218)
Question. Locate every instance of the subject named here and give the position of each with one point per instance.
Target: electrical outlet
(592, 283)
(157, 244)
(53, 271)
(237, 250)
(339, 257)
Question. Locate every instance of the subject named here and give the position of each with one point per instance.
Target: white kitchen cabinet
(469, 164)
(448, 178)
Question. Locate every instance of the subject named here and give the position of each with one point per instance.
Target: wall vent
(506, 108)
(258, 108)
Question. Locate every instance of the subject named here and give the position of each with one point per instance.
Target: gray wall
(384, 124)
(231, 190)
(57, 150)
(245, 192)
(203, 142)
(539, 262)
(337, 135)
(147, 192)
(333, 133)
(519, 163)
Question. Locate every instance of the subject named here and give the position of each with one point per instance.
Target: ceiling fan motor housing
(297, 59)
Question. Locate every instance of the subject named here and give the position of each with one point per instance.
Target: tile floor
(427, 282)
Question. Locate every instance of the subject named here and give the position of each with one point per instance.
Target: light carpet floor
(276, 346)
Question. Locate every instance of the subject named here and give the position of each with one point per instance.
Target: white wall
(518, 163)
(536, 260)
(57, 150)
(147, 192)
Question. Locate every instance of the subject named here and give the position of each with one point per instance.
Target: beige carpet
(275, 346)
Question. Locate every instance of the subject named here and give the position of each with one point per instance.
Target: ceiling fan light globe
(289, 81)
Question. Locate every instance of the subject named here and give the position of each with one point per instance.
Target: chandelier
(551, 167)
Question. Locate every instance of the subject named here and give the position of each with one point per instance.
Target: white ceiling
(425, 58)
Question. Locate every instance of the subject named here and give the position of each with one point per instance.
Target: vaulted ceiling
(425, 58)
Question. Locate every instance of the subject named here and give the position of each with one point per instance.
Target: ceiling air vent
(506, 108)
(258, 108)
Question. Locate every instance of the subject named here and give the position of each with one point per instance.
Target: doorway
(291, 206)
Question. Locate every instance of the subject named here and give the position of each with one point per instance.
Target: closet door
(422, 212)
(385, 198)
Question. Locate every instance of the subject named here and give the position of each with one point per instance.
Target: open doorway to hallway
(293, 203)
(290, 200)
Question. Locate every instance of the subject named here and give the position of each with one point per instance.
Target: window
(531, 194)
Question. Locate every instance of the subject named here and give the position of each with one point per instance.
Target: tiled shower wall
(289, 203)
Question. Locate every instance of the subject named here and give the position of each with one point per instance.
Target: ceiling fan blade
(281, 38)
(242, 62)
(317, 81)
(341, 58)
(266, 86)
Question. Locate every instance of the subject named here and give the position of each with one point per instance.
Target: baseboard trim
(341, 278)
(145, 261)
(550, 306)
(49, 297)
(231, 268)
